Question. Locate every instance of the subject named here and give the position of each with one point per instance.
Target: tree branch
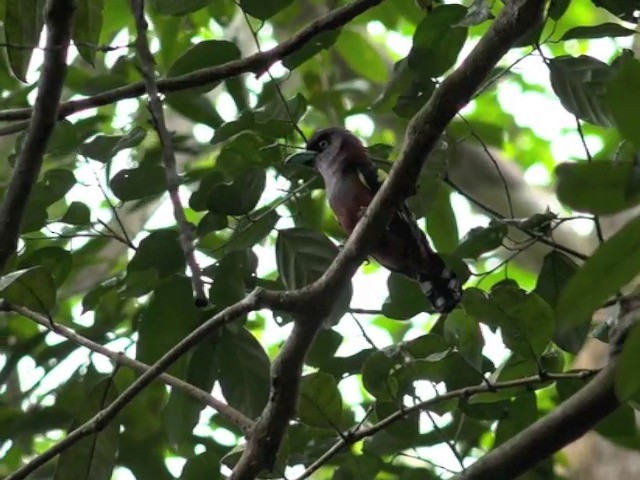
(168, 155)
(350, 438)
(251, 302)
(230, 413)
(518, 17)
(258, 63)
(58, 14)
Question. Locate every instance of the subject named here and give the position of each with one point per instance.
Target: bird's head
(331, 148)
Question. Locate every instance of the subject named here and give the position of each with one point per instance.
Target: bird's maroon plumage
(351, 181)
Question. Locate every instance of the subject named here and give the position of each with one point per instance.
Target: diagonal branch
(58, 14)
(350, 438)
(230, 413)
(423, 133)
(258, 63)
(250, 303)
(168, 155)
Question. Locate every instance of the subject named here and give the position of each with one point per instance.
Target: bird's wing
(403, 223)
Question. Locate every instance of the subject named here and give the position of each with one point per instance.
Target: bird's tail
(441, 286)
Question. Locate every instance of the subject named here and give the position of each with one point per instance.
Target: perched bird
(351, 181)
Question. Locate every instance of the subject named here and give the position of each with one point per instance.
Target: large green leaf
(605, 30)
(94, 456)
(320, 401)
(623, 94)
(557, 270)
(601, 188)
(361, 56)
(627, 380)
(23, 21)
(311, 48)
(615, 263)
(405, 298)
(264, 10)
(579, 83)
(438, 40)
(87, 24)
(159, 251)
(463, 332)
(481, 240)
(171, 7)
(238, 197)
(303, 256)
(104, 147)
(32, 288)
(204, 54)
(136, 183)
(243, 371)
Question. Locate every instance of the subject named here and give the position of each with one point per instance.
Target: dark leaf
(463, 332)
(238, 197)
(264, 10)
(87, 24)
(94, 456)
(481, 240)
(598, 31)
(617, 260)
(161, 251)
(405, 298)
(314, 46)
(23, 21)
(77, 214)
(137, 183)
(54, 260)
(361, 56)
(597, 187)
(170, 7)
(243, 371)
(104, 147)
(627, 380)
(580, 84)
(32, 288)
(623, 92)
(320, 401)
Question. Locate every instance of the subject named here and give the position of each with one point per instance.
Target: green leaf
(93, 456)
(623, 93)
(248, 231)
(437, 41)
(243, 371)
(64, 139)
(627, 380)
(579, 83)
(23, 22)
(320, 401)
(557, 8)
(481, 240)
(182, 412)
(463, 331)
(623, 9)
(32, 288)
(310, 49)
(302, 257)
(161, 251)
(601, 188)
(207, 53)
(405, 298)
(168, 318)
(360, 55)
(597, 31)
(376, 376)
(137, 183)
(264, 10)
(171, 7)
(231, 275)
(522, 412)
(617, 260)
(557, 270)
(196, 107)
(204, 466)
(77, 214)
(54, 260)
(104, 147)
(407, 427)
(526, 320)
(87, 25)
(238, 197)
(441, 222)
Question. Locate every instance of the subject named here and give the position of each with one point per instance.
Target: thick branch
(58, 14)
(257, 63)
(561, 426)
(425, 129)
(168, 155)
(230, 413)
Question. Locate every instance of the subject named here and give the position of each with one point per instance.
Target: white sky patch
(537, 174)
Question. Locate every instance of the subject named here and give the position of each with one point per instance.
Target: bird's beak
(305, 158)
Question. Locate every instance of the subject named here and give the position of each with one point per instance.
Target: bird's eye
(323, 144)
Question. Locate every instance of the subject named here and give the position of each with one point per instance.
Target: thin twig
(147, 63)
(258, 63)
(250, 303)
(466, 393)
(230, 413)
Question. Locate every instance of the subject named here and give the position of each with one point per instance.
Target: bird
(352, 180)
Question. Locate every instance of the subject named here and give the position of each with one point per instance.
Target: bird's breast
(348, 200)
